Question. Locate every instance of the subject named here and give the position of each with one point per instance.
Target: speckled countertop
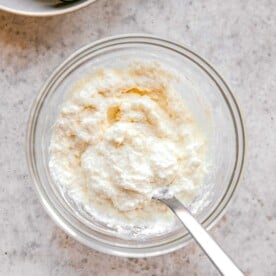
(238, 37)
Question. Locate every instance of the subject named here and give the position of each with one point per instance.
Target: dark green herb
(67, 1)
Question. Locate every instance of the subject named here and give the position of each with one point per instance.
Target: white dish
(41, 7)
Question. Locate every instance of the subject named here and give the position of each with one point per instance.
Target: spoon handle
(214, 252)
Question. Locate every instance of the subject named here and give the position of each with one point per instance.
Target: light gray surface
(238, 37)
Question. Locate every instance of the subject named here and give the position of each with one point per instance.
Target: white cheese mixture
(120, 135)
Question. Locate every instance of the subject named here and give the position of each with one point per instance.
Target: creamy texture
(121, 135)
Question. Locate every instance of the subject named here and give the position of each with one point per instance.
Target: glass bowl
(209, 98)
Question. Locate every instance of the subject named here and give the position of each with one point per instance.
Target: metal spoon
(214, 252)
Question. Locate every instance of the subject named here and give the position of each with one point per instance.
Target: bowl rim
(224, 201)
(46, 14)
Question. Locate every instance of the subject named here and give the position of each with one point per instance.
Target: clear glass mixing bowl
(209, 98)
